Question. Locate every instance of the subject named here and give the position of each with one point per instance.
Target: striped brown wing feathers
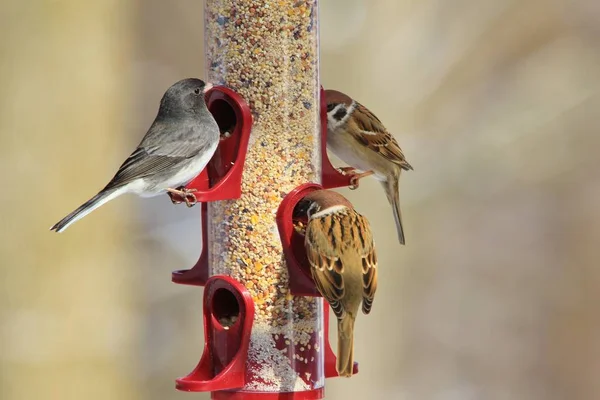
(366, 249)
(329, 240)
(371, 133)
(325, 262)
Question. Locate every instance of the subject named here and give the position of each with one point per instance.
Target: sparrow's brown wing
(369, 264)
(323, 252)
(370, 132)
(329, 241)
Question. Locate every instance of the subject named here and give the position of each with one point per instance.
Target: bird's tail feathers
(345, 353)
(393, 195)
(101, 198)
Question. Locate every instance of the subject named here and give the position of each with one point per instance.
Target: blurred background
(495, 104)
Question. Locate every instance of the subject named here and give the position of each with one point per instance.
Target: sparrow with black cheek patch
(340, 250)
(176, 148)
(357, 137)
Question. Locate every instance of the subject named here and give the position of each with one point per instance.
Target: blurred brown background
(496, 105)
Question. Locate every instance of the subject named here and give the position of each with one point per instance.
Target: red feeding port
(301, 283)
(228, 315)
(198, 275)
(222, 177)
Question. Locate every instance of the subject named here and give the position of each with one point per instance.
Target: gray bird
(176, 148)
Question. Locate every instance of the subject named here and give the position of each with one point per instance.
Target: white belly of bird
(351, 154)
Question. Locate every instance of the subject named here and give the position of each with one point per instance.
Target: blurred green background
(495, 104)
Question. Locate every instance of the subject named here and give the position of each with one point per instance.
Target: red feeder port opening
(292, 241)
(228, 312)
(225, 308)
(222, 177)
(222, 108)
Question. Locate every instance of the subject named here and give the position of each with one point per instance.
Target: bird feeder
(266, 330)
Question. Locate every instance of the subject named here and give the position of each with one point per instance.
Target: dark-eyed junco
(176, 148)
(358, 138)
(340, 250)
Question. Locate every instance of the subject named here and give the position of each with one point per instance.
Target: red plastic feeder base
(316, 394)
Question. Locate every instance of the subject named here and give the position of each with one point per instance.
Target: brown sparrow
(340, 250)
(357, 137)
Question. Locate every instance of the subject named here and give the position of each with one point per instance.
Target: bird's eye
(330, 107)
(197, 91)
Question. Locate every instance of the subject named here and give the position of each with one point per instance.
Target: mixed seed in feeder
(267, 51)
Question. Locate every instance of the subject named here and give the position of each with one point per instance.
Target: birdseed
(267, 51)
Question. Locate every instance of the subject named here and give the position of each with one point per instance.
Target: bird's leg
(190, 197)
(346, 170)
(172, 197)
(186, 194)
(354, 180)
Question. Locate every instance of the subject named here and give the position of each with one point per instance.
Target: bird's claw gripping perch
(357, 177)
(346, 170)
(186, 194)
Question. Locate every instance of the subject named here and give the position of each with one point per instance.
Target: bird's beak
(207, 87)
(300, 209)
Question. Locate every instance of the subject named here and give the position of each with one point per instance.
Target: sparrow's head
(320, 202)
(339, 109)
(185, 95)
